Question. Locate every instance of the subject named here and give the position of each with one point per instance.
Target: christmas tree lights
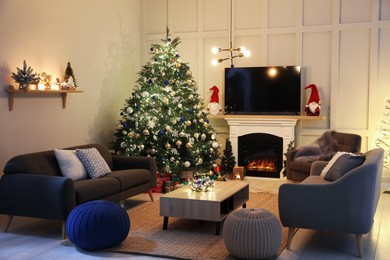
(383, 138)
(165, 117)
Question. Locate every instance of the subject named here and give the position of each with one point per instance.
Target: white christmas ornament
(215, 145)
(187, 164)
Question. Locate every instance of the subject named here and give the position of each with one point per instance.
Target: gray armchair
(298, 167)
(346, 205)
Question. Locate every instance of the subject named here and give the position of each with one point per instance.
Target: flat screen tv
(263, 90)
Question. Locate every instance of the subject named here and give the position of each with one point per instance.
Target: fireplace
(277, 126)
(261, 154)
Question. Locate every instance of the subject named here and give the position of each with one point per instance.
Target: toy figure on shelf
(214, 107)
(313, 105)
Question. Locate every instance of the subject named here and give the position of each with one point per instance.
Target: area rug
(184, 238)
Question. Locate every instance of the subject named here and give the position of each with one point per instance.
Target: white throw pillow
(94, 162)
(70, 164)
(332, 161)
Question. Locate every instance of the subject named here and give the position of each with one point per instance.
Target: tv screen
(263, 90)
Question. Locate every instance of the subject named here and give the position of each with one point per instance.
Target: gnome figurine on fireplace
(214, 107)
(313, 105)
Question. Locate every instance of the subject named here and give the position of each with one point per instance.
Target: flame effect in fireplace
(261, 166)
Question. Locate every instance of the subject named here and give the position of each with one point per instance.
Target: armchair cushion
(343, 164)
(94, 163)
(70, 164)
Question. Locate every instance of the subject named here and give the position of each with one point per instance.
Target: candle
(41, 86)
(54, 86)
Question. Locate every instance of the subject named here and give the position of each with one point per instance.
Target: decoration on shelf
(201, 183)
(69, 78)
(383, 138)
(228, 161)
(45, 81)
(165, 117)
(313, 105)
(214, 107)
(233, 52)
(24, 77)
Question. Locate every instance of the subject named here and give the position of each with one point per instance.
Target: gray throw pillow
(93, 162)
(342, 165)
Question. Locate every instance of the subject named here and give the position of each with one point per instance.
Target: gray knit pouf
(252, 233)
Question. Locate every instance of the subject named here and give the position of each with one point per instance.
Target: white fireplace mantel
(281, 127)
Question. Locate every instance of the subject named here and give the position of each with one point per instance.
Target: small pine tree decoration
(25, 76)
(165, 117)
(291, 146)
(228, 161)
(383, 138)
(70, 75)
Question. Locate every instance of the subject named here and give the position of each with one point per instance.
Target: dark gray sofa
(33, 186)
(346, 205)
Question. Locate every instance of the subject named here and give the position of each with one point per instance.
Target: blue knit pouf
(97, 224)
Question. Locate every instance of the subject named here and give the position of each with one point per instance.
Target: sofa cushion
(315, 179)
(92, 189)
(131, 178)
(70, 164)
(333, 160)
(301, 164)
(94, 163)
(344, 164)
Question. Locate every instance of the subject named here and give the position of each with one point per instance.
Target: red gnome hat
(314, 97)
(214, 96)
(313, 105)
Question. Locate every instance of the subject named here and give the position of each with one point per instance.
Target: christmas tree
(69, 75)
(25, 76)
(290, 147)
(165, 117)
(383, 138)
(228, 161)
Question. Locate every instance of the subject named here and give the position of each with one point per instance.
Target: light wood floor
(30, 238)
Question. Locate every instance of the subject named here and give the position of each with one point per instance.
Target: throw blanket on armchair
(323, 148)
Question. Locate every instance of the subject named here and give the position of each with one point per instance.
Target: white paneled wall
(343, 46)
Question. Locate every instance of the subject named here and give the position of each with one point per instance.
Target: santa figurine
(313, 105)
(214, 107)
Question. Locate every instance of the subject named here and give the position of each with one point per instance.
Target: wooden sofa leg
(359, 243)
(291, 231)
(64, 230)
(151, 195)
(10, 218)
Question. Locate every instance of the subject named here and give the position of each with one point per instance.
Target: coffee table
(213, 205)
